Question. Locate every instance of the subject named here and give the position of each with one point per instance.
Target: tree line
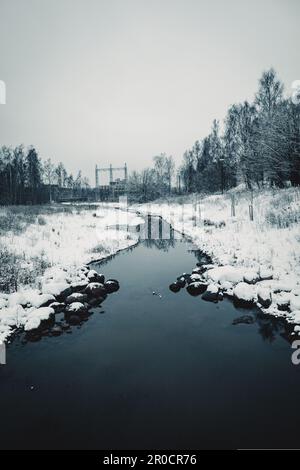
(152, 183)
(26, 179)
(258, 144)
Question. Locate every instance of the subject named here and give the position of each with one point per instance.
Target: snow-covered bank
(262, 255)
(64, 241)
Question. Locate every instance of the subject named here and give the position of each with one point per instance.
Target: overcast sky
(114, 81)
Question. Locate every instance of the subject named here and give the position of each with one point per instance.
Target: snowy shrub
(283, 218)
(8, 271)
(41, 220)
(15, 271)
(210, 223)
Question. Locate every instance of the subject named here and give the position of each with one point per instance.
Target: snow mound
(294, 302)
(212, 289)
(294, 317)
(54, 288)
(36, 316)
(244, 291)
(226, 273)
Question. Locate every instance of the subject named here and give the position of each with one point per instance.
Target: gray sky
(109, 81)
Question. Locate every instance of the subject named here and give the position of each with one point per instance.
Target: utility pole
(111, 173)
(96, 177)
(222, 174)
(179, 184)
(125, 173)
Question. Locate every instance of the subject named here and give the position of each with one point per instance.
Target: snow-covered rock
(93, 276)
(17, 298)
(36, 316)
(5, 332)
(78, 286)
(226, 285)
(12, 316)
(211, 294)
(198, 270)
(58, 307)
(195, 278)
(76, 308)
(57, 289)
(264, 297)
(226, 273)
(293, 317)
(283, 301)
(66, 241)
(265, 274)
(175, 286)
(41, 300)
(76, 297)
(244, 294)
(30, 297)
(196, 288)
(111, 285)
(296, 292)
(294, 302)
(181, 282)
(251, 276)
(96, 289)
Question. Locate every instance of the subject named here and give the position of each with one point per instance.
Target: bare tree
(49, 175)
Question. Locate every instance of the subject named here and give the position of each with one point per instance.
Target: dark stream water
(151, 372)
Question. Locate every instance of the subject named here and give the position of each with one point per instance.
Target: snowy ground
(251, 257)
(256, 262)
(61, 242)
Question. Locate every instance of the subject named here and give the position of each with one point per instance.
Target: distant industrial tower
(111, 169)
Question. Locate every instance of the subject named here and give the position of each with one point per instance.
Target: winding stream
(153, 372)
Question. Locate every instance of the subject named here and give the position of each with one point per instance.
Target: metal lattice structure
(111, 170)
(116, 186)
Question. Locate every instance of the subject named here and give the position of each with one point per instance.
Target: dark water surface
(153, 373)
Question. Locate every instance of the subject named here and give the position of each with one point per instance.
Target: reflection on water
(268, 327)
(155, 372)
(157, 234)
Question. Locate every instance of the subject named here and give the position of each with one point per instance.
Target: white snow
(226, 273)
(283, 298)
(294, 317)
(92, 273)
(66, 241)
(212, 289)
(294, 302)
(54, 288)
(3, 303)
(264, 293)
(251, 276)
(35, 317)
(195, 277)
(75, 306)
(267, 248)
(265, 252)
(244, 291)
(70, 239)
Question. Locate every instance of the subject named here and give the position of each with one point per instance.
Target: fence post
(251, 207)
(232, 205)
(195, 211)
